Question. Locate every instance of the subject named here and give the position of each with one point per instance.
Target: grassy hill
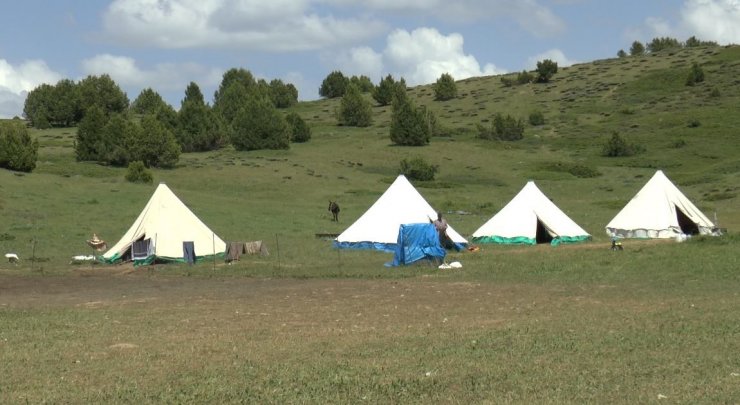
(312, 324)
(688, 131)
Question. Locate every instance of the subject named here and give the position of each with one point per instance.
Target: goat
(334, 209)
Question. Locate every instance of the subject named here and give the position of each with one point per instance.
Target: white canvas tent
(159, 232)
(378, 227)
(530, 218)
(659, 210)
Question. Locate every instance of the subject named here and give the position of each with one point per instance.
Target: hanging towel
(188, 252)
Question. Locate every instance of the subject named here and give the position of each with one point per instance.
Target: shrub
(583, 172)
(103, 92)
(231, 99)
(41, 121)
(418, 169)
(148, 102)
(387, 89)
(616, 146)
(508, 128)
(524, 77)
(119, 136)
(363, 83)
(38, 105)
(545, 70)
(299, 130)
(258, 125)
(138, 173)
(621, 54)
(693, 123)
(662, 43)
(445, 88)
(503, 128)
(410, 126)
(199, 128)
(354, 109)
(580, 171)
(17, 150)
(537, 118)
(90, 144)
(283, 95)
(334, 85)
(506, 81)
(155, 144)
(694, 42)
(715, 93)
(696, 75)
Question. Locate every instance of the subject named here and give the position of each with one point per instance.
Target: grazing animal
(12, 257)
(334, 209)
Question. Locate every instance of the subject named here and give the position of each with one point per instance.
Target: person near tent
(440, 224)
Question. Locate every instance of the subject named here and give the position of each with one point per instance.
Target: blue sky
(165, 44)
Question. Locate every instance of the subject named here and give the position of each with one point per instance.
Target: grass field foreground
(312, 324)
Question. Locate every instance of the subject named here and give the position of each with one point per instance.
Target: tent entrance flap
(543, 234)
(141, 249)
(688, 227)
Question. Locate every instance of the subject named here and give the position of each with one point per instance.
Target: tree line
(245, 113)
(662, 43)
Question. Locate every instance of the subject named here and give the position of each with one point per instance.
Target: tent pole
(213, 235)
(277, 246)
(33, 252)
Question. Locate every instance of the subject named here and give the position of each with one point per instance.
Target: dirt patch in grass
(295, 302)
(122, 337)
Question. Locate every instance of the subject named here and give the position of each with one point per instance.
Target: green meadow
(312, 324)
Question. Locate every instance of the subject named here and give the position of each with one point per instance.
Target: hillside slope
(689, 132)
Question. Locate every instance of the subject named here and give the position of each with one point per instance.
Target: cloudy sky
(165, 44)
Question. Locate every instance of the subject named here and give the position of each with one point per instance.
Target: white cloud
(422, 55)
(713, 20)
(26, 76)
(652, 27)
(162, 77)
(17, 81)
(11, 103)
(531, 15)
(659, 27)
(708, 20)
(361, 61)
(537, 19)
(278, 25)
(555, 55)
(419, 56)
(290, 25)
(307, 90)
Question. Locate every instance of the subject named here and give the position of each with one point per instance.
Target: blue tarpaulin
(417, 242)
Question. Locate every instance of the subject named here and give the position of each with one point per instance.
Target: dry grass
(310, 324)
(146, 336)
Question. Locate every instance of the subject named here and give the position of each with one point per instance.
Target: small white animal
(12, 257)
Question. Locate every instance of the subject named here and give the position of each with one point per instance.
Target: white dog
(12, 257)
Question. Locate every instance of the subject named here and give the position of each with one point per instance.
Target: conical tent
(659, 210)
(165, 230)
(530, 218)
(378, 227)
